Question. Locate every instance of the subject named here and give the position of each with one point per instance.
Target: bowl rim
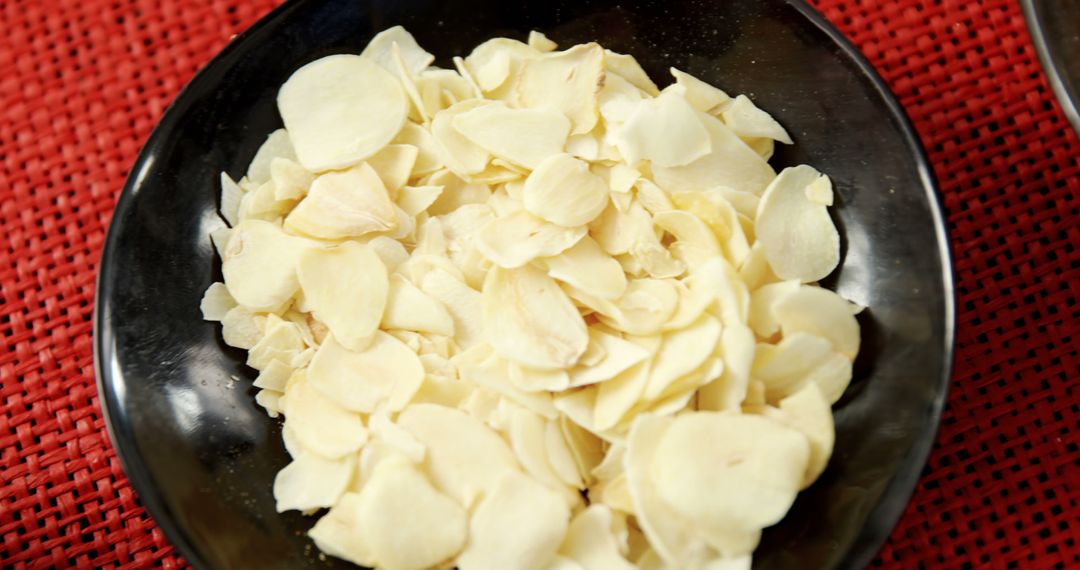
(1052, 60)
(879, 522)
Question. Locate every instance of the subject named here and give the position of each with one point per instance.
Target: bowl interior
(180, 405)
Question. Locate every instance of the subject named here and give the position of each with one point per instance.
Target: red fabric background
(82, 82)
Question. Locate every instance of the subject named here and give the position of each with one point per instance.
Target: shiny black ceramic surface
(179, 402)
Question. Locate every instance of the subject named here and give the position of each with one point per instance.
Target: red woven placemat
(83, 81)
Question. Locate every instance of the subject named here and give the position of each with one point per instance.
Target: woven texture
(84, 81)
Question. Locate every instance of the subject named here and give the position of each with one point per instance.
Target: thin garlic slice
(529, 320)
(519, 524)
(341, 109)
(523, 137)
(563, 191)
(515, 240)
(346, 288)
(729, 163)
(798, 236)
(320, 424)
(259, 264)
(384, 375)
(436, 529)
(566, 81)
(465, 458)
(747, 481)
(666, 131)
(342, 204)
(409, 308)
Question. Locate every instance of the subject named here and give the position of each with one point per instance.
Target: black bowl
(202, 455)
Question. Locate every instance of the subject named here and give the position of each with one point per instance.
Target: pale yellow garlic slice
(394, 165)
(312, 482)
(277, 145)
(495, 65)
(701, 95)
(384, 375)
(540, 42)
(617, 231)
(588, 268)
(523, 137)
(628, 68)
(591, 543)
(729, 163)
(216, 302)
(346, 288)
(229, 203)
(461, 301)
(820, 312)
(460, 155)
(695, 243)
(242, 328)
(798, 236)
(669, 534)
(274, 377)
(519, 524)
(428, 159)
(680, 353)
(799, 359)
(281, 341)
(465, 458)
(390, 252)
(409, 308)
(566, 81)
(384, 430)
(259, 265)
(762, 300)
(339, 532)
(617, 100)
(737, 348)
(291, 181)
(618, 355)
(521, 237)
(527, 433)
(617, 396)
(743, 117)
(436, 529)
(414, 200)
(666, 131)
(341, 109)
(342, 204)
(561, 457)
(747, 482)
(809, 412)
(529, 320)
(320, 425)
(645, 307)
(563, 191)
(380, 50)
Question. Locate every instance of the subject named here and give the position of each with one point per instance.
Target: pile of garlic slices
(533, 313)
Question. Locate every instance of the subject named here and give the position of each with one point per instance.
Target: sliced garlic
(562, 190)
(341, 109)
(259, 265)
(523, 137)
(346, 288)
(519, 524)
(529, 320)
(521, 237)
(384, 375)
(342, 204)
(565, 81)
(465, 458)
(666, 131)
